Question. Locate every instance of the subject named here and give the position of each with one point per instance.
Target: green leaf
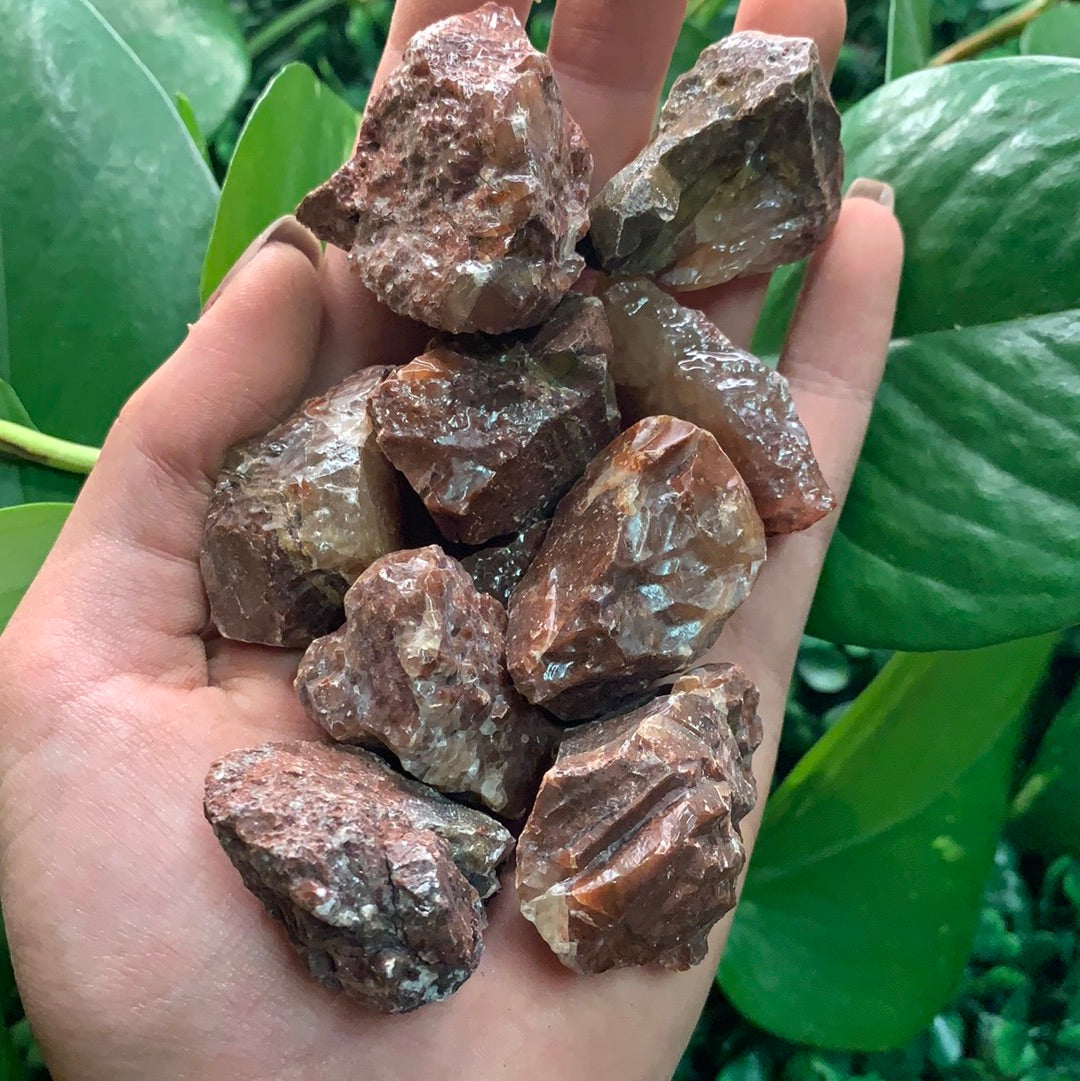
(298, 133)
(105, 206)
(954, 542)
(962, 523)
(191, 123)
(865, 886)
(11, 408)
(26, 535)
(1054, 33)
(986, 241)
(17, 479)
(1045, 808)
(12, 1066)
(908, 46)
(192, 47)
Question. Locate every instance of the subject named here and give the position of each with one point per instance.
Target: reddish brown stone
(491, 432)
(744, 173)
(632, 851)
(378, 880)
(671, 359)
(498, 570)
(647, 556)
(419, 669)
(295, 516)
(468, 189)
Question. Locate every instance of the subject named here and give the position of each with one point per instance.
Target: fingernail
(877, 191)
(286, 230)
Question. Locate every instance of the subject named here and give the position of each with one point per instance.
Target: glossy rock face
(744, 173)
(497, 570)
(377, 880)
(645, 559)
(468, 189)
(671, 359)
(491, 432)
(419, 669)
(632, 851)
(294, 518)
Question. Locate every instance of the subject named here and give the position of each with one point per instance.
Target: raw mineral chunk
(295, 516)
(468, 189)
(491, 432)
(378, 880)
(633, 849)
(419, 669)
(646, 557)
(744, 173)
(498, 570)
(671, 359)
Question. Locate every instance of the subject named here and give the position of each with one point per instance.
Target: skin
(138, 952)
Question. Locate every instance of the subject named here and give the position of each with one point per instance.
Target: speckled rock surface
(377, 880)
(671, 359)
(497, 570)
(491, 432)
(468, 190)
(646, 557)
(419, 668)
(744, 173)
(633, 849)
(295, 516)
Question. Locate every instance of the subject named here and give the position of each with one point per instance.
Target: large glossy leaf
(908, 46)
(21, 482)
(1054, 33)
(966, 534)
(1047, 807)
(298, 133)
(192, 47)
(862, 897)
(984, 157)
(105, 206)
(963, 525)
(26, 535)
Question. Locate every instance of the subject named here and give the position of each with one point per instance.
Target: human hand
(138, 952)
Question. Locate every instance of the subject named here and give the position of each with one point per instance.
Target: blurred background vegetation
(1016, 1014)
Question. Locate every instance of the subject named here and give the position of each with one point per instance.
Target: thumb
(124, 571)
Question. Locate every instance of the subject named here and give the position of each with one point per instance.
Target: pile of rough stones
(600, 472)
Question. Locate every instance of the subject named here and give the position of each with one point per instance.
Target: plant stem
(287, 22)
(35, 446)
(1008, 26)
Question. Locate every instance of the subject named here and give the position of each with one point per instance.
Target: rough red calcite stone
(378, 881)
(498, 570)
(743, 175)
(468, 189)
(294, 518)
(672, 359)
(419, 669)
(645, 559)
(491, 432)
(632, 851)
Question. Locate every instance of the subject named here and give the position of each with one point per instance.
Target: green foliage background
(905, 779)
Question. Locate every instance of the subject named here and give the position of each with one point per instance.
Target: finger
(823, 20)
(735, 306)
(611, 57)
(126, 563)
(413, 15)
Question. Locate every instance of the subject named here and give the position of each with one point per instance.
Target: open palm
(138, 952)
